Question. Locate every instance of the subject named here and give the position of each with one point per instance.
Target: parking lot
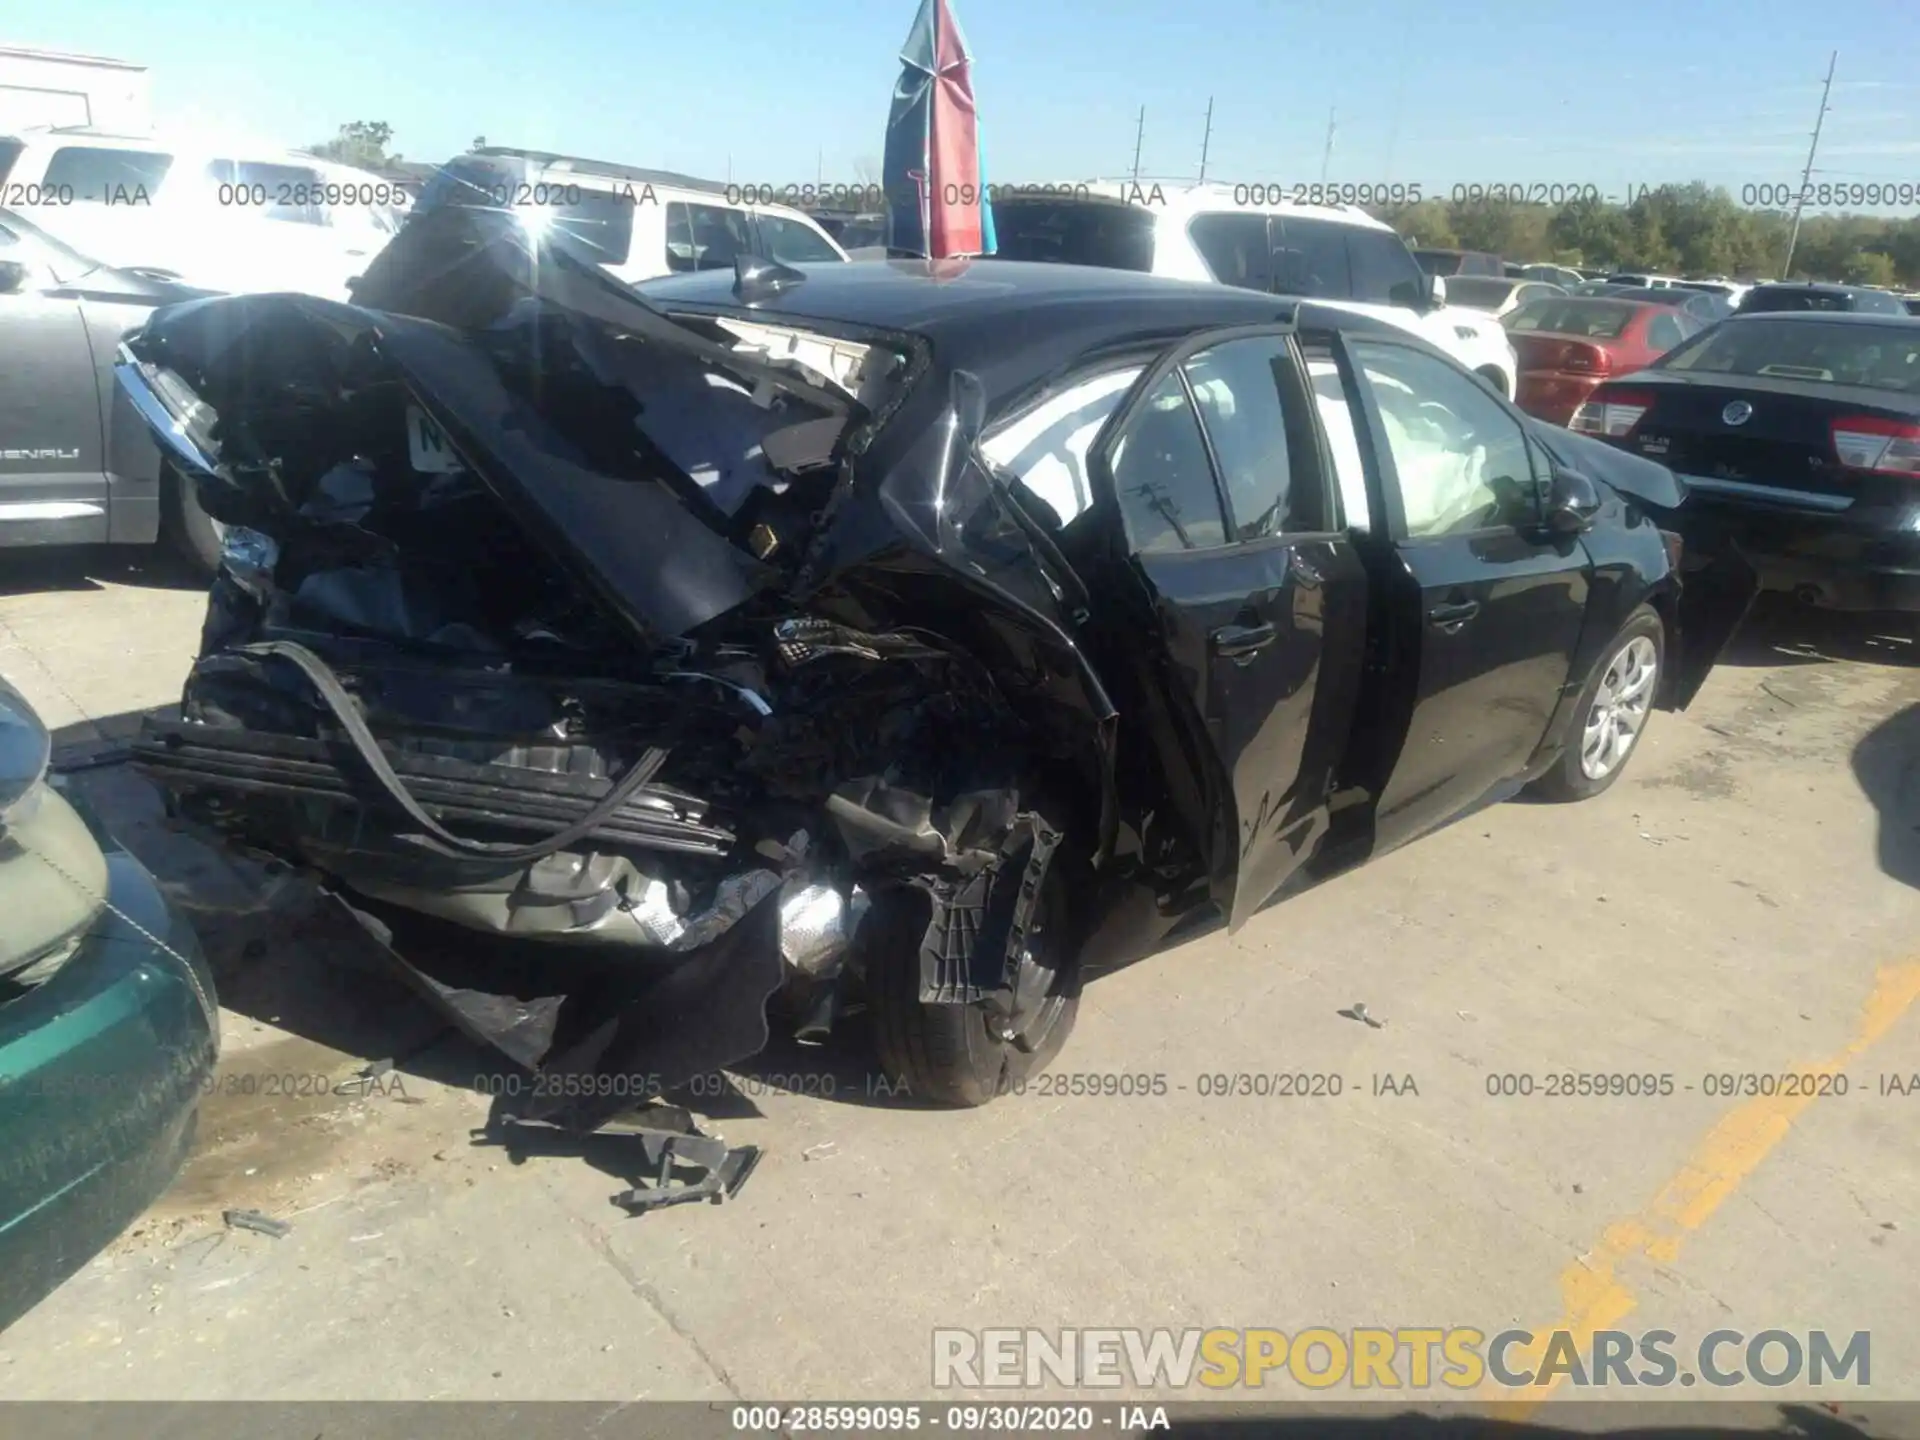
(1743, 902)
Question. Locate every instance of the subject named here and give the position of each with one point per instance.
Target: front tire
(953, 1054)
(1612, 712)
(193, 534)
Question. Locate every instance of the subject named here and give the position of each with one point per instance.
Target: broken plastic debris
(825, 1150)
(1359, 1012)
(726, 1171)
(255, 1221)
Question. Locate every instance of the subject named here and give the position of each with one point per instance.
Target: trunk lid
(1540, 350)
(1761, 433)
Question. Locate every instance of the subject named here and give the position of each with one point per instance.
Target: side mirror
(1572, 502)
(13, 277)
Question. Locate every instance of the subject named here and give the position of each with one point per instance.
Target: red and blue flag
(935, 181)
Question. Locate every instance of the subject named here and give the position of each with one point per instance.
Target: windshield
(1063, 232)
(1876, 357)
(1481, 292)
(1596, 319)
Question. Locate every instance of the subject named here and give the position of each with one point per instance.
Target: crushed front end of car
(623, 671)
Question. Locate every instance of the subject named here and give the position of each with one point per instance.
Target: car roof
(1018, 319)
(1183, 200)
(597, 169)
(1823, 317)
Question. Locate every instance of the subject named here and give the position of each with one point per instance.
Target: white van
(642, 223)
(218, 213)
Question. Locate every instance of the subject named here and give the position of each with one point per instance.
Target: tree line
(1694, 229)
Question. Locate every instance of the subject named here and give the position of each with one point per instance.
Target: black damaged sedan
(901, 637)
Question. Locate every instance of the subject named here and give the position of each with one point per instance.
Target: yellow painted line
(1592, 1293)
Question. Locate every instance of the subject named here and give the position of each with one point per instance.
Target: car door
(51, 462)
(1255, 601)
(1485, 608)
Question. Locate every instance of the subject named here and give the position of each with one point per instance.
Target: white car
(643, 223)
(223, 214)
(1236, 235)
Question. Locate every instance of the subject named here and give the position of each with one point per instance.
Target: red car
(1567, 346)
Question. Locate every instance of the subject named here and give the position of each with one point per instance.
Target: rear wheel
(967, 1054)
(194, 535)
(1613, 711)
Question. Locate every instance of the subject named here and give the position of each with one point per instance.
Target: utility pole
(1806, 176)
(1139, 138)
(1206, 140)
(1326, 157)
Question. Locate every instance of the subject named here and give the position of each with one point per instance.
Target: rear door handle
(1241, 642)
(1452, 617)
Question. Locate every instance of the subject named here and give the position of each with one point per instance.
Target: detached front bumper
(1839, 555)
(102, 1066)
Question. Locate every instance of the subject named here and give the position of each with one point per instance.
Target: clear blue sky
(1613, 92)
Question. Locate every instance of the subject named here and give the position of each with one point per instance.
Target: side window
(1461, 460)
(1235, 248)
(1310, 258)
(1383, 271)
(706, 237)
(1163, 479)
(265, 191)
(105, 177)
(1343, 439)
(1046, 446)
(1240, 389)
(792, 243)
(1664, 332)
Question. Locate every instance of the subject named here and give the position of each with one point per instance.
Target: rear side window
(1061, 232)
(274, 192)
(706, 237)
(792, 243)
(1047, 445)
(101, 176)
(1383, 271)
(1163, 479)
(1663, 332)
(1236, 248)
(9, 152)
(1310, 258)
(1241, 389)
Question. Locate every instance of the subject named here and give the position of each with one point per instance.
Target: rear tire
(949, 1054)
(1612, 712)
(193, 534)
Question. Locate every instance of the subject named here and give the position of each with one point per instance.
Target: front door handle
(1242, 642)
(1451, 617)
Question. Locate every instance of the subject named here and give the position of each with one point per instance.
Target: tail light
(1612, 413)
(1886, 447)
(1586, 360)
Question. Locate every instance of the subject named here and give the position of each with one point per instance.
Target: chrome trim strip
(1775, 494)
(49, 510)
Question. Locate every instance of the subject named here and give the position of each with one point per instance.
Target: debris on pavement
(825, 1150)
(257, 1222)
(726, 1171)
(1359, 1012)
